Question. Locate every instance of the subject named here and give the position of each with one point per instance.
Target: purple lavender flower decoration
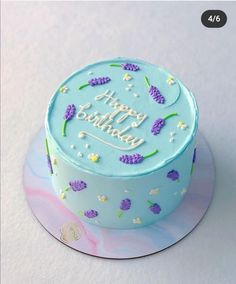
(69, 114)
(96, 81)
(156, 95)
(126, 66)
(173, 175)
(135, 158)
(132, 159)
(91, 213)
(77, 185)
(154, 207)
(48, 157)
(125, 204)
(159, 123)
(154, 92)
(157, 126)
(130, 67)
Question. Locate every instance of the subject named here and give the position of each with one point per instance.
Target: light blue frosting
(178, 99)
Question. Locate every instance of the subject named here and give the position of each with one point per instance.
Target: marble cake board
(112, 243)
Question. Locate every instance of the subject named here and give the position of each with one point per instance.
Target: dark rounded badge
(214, 18)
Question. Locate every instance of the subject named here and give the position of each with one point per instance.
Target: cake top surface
(121, 117)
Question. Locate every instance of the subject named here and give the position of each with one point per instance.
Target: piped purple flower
(127, 66)
(125, 204)
(69, 114)
(48, 157)
(136, 158)
(91, 213)
(95, 82)
(77, 185)
(154, 92)
(159, 123)
(154, 207)
(173, 175)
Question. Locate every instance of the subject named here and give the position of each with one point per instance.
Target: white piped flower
(154, 191)
(137, 220)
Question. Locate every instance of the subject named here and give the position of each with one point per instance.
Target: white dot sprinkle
(79, 154)
(130, 85)
(72, 146)
(172, 133)
(126, 191)
(136, 95)
(87, 146)
(128, 89)
(171, 140)
(81, 135)
(90, 73)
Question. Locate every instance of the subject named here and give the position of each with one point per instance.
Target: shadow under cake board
(90, 239)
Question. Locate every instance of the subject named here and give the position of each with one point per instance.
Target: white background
(42, 43)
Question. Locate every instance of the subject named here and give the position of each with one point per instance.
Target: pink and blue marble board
(112, 243)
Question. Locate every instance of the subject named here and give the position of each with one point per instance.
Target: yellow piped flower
(102, 198)
(94, 157)
(127, 77)
(170, 80)
(137, 220)
(182, 125)
(62, 195)
(64, 89)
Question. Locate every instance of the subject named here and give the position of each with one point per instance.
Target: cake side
(121, 145)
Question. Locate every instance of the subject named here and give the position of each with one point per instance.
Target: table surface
(43, 42)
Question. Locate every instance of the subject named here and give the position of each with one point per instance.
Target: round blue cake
(121, 142)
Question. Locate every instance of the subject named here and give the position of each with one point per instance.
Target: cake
(121, 143)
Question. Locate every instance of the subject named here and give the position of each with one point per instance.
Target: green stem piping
(64, 128)
(83, 86)
(119, 214)
(150, 203)
(192, 168)
(146, 81)
(115, 65)
(170, 115)
(47, 149)
(151, 154)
